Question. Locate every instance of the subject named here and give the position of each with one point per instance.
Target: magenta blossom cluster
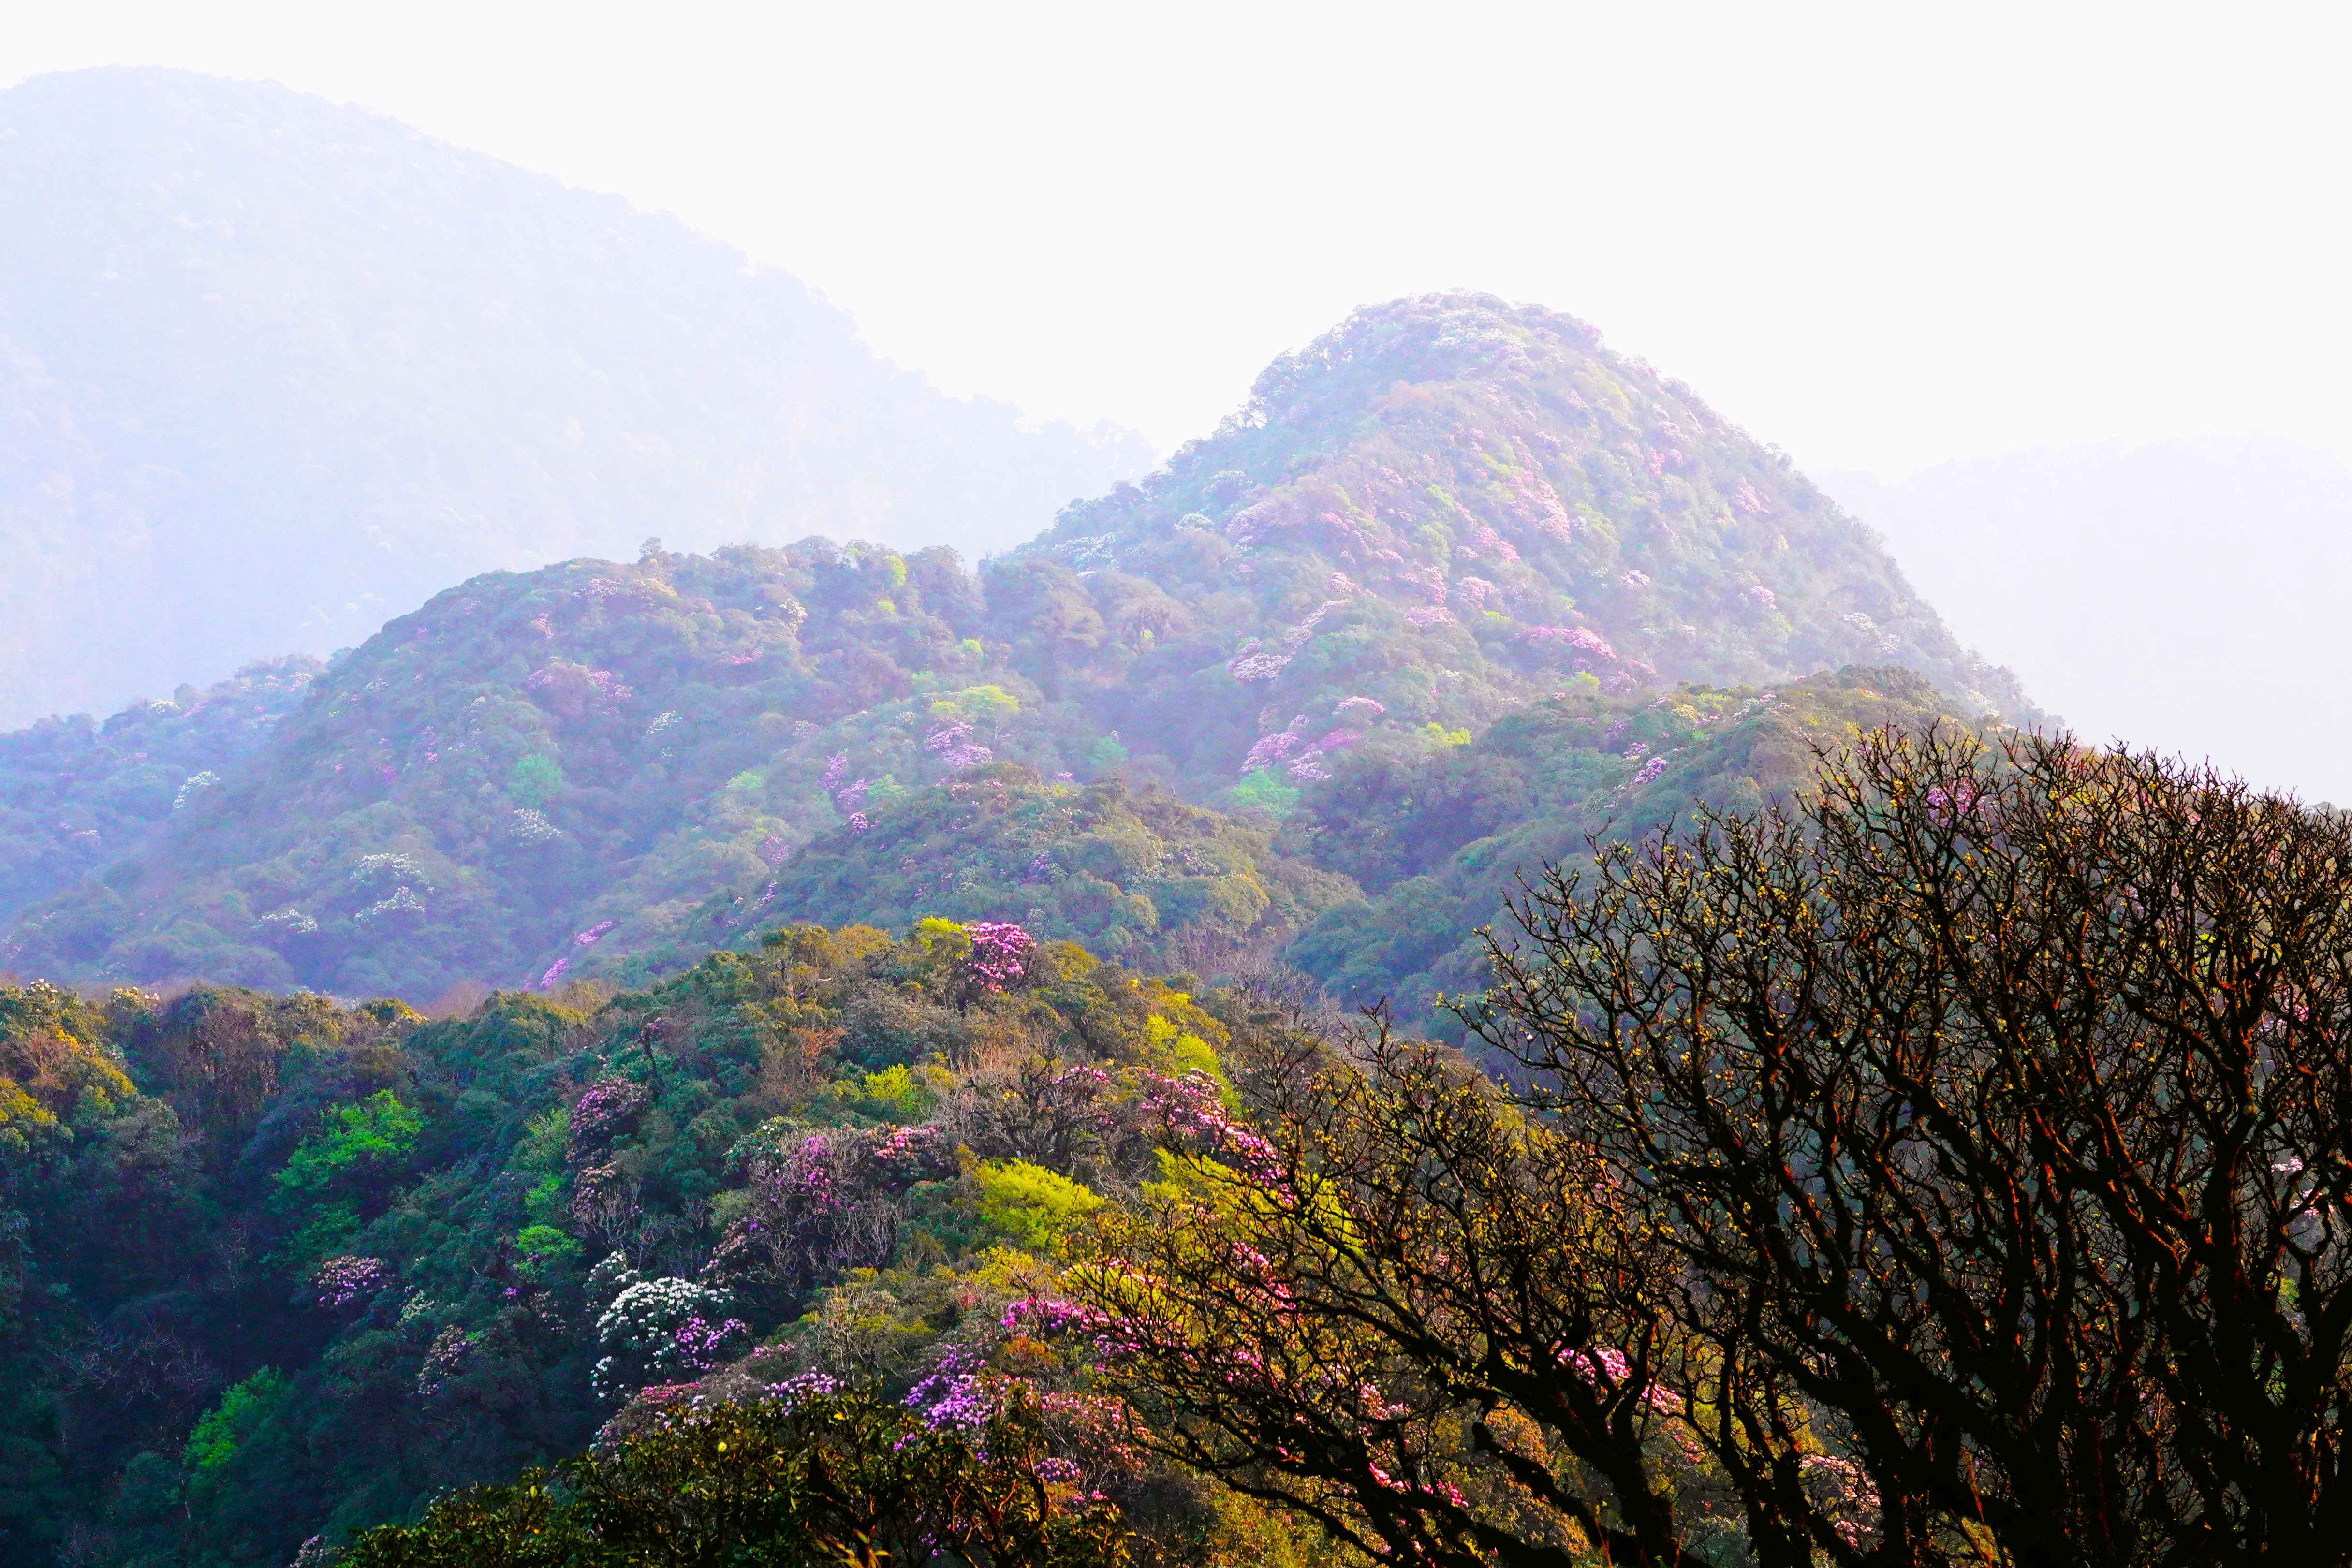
(444, 1359)
(1262, 661)
(955, 1397)
(1650, 771)
(698, 1341)
(575, 688)
(805, 1385)
(845, 797)
(1271, 749)
(605, 1109)
(912, 1149)
(1039, 1315)
(1842, 1490)
(999, 951)
(1609, 1370)
(340, 1281)
(1588, 643)
(1291, 750)
(1488, 539)
(809, 1177)
(1191, 1112)
(1947, 807)
(1475, 591)
(554, 972)
(952, 743)
(594, 935)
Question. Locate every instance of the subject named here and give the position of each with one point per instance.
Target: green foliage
(1264, 790)
(419, 1225)
(77, 796)
(221, 1431)
(537, 779)
(1031, 1205)
(1133, 874)
(895, 1094)
(354, 1142)
(541, 1249)
(1438, 839)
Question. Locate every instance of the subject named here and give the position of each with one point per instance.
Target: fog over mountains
(2182, 595)
(273, 370)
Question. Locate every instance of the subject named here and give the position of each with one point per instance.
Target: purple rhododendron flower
(998, 948)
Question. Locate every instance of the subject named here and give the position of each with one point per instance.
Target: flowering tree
(999, 955)
(338, 1282)
(820, 1203)
(660, 1329)
(805, 1474)
(1386, 1302)
(608, 1109)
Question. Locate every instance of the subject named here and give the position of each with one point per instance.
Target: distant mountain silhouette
(273, 370)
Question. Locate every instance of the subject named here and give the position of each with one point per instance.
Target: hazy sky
(1878, 236)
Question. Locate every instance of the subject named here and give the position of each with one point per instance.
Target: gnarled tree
(1995, 1104)
(1383, 1298)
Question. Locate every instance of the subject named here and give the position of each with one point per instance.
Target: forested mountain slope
(279, 1268)
(1440, 840)
(273, 370)
(1449, 506)
(610, 769)
(76, 795)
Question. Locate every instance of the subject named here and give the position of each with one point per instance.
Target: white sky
(1879, 235)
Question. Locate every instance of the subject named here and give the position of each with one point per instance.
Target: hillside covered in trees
(274, 370)
(280, 1267)
(1457, 573)
(973, 1248)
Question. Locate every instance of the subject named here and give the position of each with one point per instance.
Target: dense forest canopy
(854, 1070)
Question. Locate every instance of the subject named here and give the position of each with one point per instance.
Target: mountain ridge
(608, 768)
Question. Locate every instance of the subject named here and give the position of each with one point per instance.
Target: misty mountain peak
(290, 366)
